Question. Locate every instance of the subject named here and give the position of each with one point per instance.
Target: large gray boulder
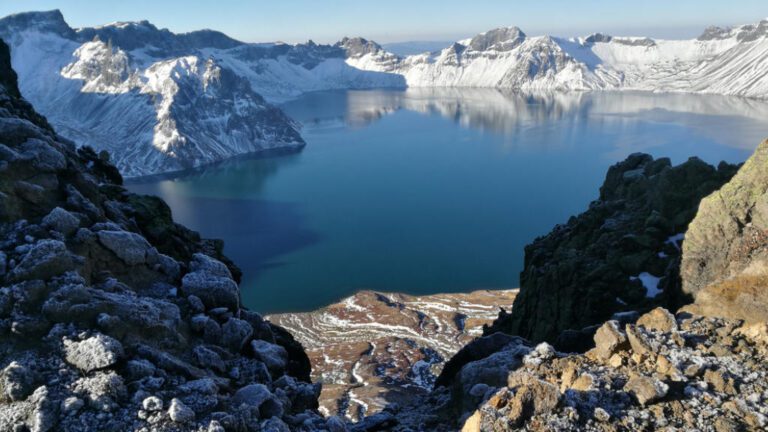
(211, 281)
(129, 247)
(62, 221)
(46, 259)
(258, 396)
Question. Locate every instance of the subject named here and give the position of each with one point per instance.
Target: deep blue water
(433, 191)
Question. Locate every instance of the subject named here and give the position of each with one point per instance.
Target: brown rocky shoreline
(373, 349)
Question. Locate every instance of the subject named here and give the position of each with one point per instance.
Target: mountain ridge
(134, 100)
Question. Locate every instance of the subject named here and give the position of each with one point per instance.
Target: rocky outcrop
(725, 255)
(112, 317)
(681, 372)
(622, 254)
(695, 373)
(374, 349)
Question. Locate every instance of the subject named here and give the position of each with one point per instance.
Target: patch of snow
(650, 282)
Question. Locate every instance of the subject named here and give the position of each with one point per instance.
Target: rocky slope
(663, 373)
(112, 317)
(703, 368)
(375, 349)
(622, 254)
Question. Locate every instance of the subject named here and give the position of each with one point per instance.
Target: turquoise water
(433, 191)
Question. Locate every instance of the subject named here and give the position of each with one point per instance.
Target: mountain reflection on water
(433, 190)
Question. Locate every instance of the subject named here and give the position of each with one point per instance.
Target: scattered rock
(214, 291)
(258, 396)
(235, 334)
(647, 390)
(153, 403)
(638, 341)
(71, 405)
(609, 339)
(179, 412)
(532, 397)
(658, 319)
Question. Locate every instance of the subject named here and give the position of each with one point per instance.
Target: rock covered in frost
(16, 382)
(669, 378)
(609, 339)
(95, 352)
(129, 247)
(179, 412)
(152, 403)
(646, 389)
(274, 356)
(46, 259)
(62, 221)
(258, 396)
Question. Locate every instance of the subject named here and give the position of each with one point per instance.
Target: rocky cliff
(112, 317)
(725, 254)
(622, 254)
(703, 368)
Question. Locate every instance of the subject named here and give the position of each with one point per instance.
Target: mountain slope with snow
(153, 114)
(721, 61)
(177, 101)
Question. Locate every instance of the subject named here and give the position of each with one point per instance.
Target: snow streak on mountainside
(153, 114)
(374, 348)
(162, 102)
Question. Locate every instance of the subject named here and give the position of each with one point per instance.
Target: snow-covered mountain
(160, 101)
(729, 61)
(154, 111)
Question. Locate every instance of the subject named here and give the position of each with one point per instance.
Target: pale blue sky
(402, 20)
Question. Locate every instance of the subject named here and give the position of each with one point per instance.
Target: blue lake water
(426, 191)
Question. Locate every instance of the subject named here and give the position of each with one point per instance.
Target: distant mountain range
(414, 47)
(162, 102)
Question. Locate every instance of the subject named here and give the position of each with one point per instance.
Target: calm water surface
(427, 191)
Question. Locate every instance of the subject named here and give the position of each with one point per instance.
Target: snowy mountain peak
(744, 33)
(598, 38)
(500, 39)
(102, 68)
(358, 47)
(44, 22)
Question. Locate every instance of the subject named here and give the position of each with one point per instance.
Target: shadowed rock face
(99, 327)
(621, 254)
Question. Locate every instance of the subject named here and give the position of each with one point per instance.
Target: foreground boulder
(113, 317)
(621, 254)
